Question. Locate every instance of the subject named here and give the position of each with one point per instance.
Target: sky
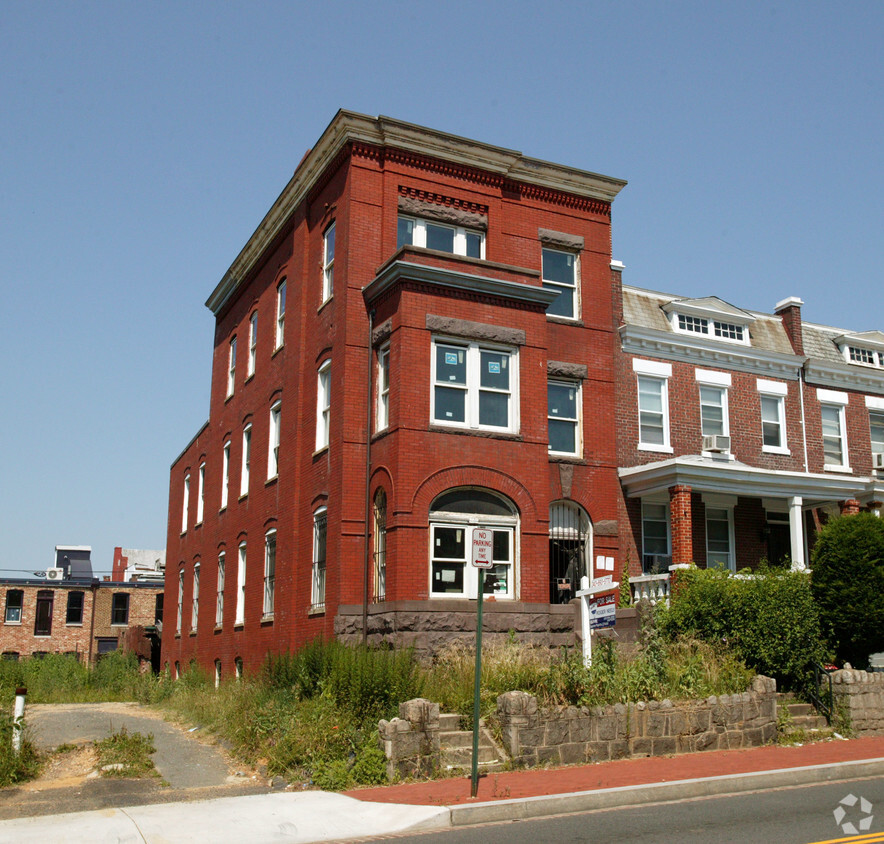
(142, 143)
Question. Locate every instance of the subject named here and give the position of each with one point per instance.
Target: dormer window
(710, 317)
(864, 349)
(867, 357)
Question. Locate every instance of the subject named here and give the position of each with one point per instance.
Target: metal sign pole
(474, 780)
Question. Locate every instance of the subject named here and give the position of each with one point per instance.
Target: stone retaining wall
(411, 741)
(861, 694)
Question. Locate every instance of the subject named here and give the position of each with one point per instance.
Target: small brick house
(418, 339)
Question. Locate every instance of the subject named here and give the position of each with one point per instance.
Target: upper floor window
(120, 608)
(876, 431)
(280, 314)
(43, 617)
(328, 263)
(241, 585)
(323, 405)
(474, 386)
(269, 571)
(383, 408)
(834, 430)
(180, 605)
(563, 417)
(413, 231)
(225, 474)
(14, 601)
(253, 343)
(231, 367)
(653, 404)
(246, 461)
(185, 502)
(200, 492)
(713, 410)
(273, 441)
(773, 415)
(219, 601)
(709, 317)
(560, 274)
(195, 599)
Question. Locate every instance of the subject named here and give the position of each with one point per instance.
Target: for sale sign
(602, 612)
(483, 547)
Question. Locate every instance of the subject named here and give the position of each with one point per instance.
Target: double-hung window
(231, 367)
(74, 614)
(246, 460)
(560, 275)
(273, 446)
(185, 504)
(876, 434)
(120, 608)
(280, 314)
(713, 410)
(269, 571)
(456, 240)
(323, 405)
(834, 430)
(320, 531)
(200, 492)
(195, 598)
(180, 607)
(474, 386)
(772, 397)
(383, 408)
(253, 343)
(563, 417)
(653, 404)
(328, 263)
(241, 585)
(219, 600)
(225, 474)
(719, 538)
(14, 601)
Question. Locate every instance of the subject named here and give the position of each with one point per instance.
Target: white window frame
(231, 367)
(776, 391)
(253, 343)
(273, 440)
(240, 617)
(575, 421)
(721, 405)
(328, 263)
(646, 518)
(382, 415)
(694, 324)
(563, 287)
(200, 493)
(651, 372)
(730, 562)
(280, 315)
(186, 502)
(195, 599)
(219, 586)
(466, 523)
(836, 401)
(269, 572)
(245, 468)
(473, 388)
(379, 510)
(319, 568)
(225, 474)
(180, 609)
(875, 407)
(419, 235)
(323, 405)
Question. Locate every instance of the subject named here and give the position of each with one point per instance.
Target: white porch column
(796, 533)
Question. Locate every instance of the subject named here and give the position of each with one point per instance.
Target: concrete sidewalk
(440, 804)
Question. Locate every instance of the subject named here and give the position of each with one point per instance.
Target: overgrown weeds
(16, 767)
(125, 754)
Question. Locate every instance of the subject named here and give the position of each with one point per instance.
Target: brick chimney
(789, 311)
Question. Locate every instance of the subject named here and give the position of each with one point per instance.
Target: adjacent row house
(428, 333)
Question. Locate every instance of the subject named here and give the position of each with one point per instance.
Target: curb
(638, 795)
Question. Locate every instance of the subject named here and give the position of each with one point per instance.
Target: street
(787, 816)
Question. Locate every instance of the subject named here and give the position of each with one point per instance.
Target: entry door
(779, 544)
(43, 621)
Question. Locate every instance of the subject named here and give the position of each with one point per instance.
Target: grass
(126, 754)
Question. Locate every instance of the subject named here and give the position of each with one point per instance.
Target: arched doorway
(570, 549)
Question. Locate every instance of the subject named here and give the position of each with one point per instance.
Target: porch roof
(706, 474)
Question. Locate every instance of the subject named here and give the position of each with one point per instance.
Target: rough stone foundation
(861, 695)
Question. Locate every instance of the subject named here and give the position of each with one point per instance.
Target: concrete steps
(457, 746)
(802, 719)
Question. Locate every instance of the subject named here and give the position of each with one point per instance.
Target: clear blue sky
(142, 143)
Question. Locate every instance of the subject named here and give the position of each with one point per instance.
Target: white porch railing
(653, 588)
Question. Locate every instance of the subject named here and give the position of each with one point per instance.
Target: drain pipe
(366, 546)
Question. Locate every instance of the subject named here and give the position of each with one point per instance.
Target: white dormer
(709, 317)
(863, 349)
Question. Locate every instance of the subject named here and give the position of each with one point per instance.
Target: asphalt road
(786, 816)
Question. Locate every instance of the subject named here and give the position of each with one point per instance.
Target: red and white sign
(483, 548)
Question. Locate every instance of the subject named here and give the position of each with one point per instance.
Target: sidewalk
(318, 816)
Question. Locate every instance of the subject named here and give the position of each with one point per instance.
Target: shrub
(848, 585)
(16, 767)
(768, 617)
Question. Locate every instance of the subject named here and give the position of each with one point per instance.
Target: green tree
(848, 585)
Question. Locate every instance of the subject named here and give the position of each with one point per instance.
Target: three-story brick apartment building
(419, 337)
(740, 432)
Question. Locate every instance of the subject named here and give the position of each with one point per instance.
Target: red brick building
(419, 337)
(740, 432)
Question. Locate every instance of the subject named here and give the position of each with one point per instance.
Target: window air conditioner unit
(878, 460)
(54, 574)
(716, 442)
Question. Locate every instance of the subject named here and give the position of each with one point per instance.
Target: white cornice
(651, 342)
(843, 376)
(348, 126)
